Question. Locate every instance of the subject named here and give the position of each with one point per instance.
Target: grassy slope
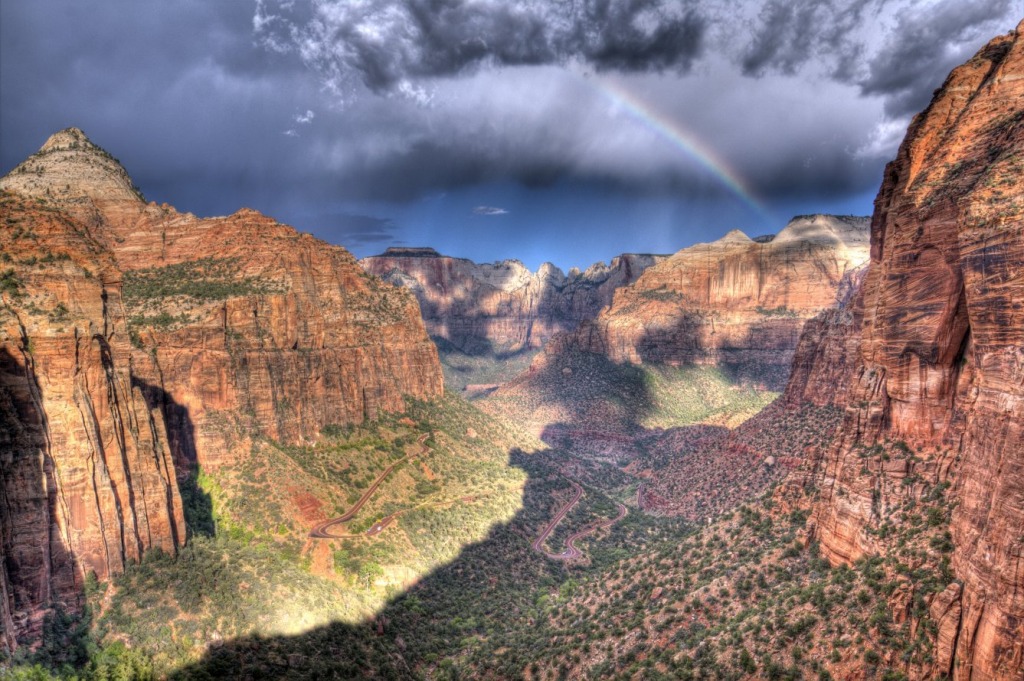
(462, 369)
(262, 575)
(591, 391)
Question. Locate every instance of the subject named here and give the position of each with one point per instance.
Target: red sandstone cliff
(87, 480)
(935, 366)
(732, 302)
(503, 306)
(138, 341)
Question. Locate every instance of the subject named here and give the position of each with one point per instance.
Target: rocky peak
(70, 169)
(735, 236)
(67, 139)
(850, 230)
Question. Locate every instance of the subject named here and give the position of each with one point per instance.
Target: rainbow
(683, 140)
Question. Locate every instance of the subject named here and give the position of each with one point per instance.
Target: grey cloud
(386, 43)
(489, 210)
(782, 40)
(351, 229)
(894, 49)
(925, 46)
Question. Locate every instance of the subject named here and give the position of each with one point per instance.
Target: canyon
(140, 344)
(869, 521)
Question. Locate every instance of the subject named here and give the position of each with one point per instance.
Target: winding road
(322, 531)
(571, 552)
(538, 543)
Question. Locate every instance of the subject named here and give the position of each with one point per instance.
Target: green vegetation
(662, 295)
(584, 388)
(488, 367)
(780, 311)
(10, 283)
(206, 279)
(452, 588)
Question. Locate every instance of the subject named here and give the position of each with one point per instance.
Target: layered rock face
(734, 302)
(278, 333)
(937, 367)
(139, 341)
(87, 479)
(503, 307)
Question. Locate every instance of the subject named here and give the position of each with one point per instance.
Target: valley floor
(452, 543)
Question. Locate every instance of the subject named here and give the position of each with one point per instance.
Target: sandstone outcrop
(936, 365)
(503, 307)
(139, 341)
(87, 481)
(736, 302)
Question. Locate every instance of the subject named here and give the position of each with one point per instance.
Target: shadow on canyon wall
(42, 584)
(37, 571)
(197, 504)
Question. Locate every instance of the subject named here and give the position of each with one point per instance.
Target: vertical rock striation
(936, 364)
(503, 307)
(136, 342)
(87, 481)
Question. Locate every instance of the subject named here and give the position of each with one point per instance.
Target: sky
(543, 130)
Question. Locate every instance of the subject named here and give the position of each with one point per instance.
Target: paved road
(538, 543)
(571, 552)
(322, 531)
(570, 543)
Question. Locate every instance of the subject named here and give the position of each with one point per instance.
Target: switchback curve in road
(322, 531)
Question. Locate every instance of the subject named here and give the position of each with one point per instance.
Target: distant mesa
(409, 252)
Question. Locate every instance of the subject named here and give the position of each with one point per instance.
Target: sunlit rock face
(503, 307)
(87, 480)
(734, 302)
(139, 341)
(937, 359)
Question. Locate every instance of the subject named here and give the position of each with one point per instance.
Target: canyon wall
(930, 364)
(139, 342)
(736, 302)
(87, 480)
(503, 307)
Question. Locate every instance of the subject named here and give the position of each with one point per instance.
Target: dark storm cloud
(434, 98)
(897, 50)
(387, 43)
(789, 33)
(354, 229)
(925, 46)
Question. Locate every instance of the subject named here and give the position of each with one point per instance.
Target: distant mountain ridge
(503, 307)
(734, 302)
